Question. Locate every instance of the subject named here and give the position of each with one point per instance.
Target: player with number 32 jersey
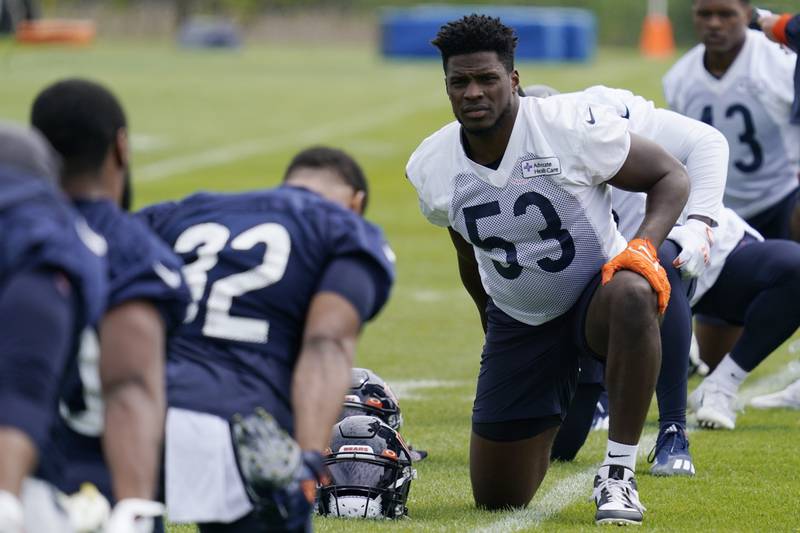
(253, 261)
(259, 264)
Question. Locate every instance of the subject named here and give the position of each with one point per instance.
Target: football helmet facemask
(370, 471)
(369, 394)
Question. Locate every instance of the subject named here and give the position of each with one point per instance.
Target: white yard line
(564, 493)
(436, 295)
(142, 142)
(410, 389)
(364, 121)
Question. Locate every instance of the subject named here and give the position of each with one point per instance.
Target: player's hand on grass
(695, 239)
(134, 515)
(641, 257)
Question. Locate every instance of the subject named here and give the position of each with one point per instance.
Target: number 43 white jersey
(540, 224)
(751, 105)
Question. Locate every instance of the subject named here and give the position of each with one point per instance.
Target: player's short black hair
(81, 119)
(477, 33)
(333, 159)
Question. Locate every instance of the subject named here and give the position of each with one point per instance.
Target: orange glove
(641, 257)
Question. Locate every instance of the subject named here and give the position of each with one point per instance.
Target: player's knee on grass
(506, 475)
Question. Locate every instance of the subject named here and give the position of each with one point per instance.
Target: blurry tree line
(619, 21)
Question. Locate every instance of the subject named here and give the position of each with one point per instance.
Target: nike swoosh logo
(612, 456)
(591, 116)
(93, 241)
(646, 255)
(171, 278)
(627, 113)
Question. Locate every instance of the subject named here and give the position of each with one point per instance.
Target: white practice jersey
(704, 152)
(751, 106)
(701, 148)
(541, 224)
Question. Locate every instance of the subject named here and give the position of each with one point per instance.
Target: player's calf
(507, 474)
(623, 322)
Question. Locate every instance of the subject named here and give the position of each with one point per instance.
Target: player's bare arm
(132, 344)
(17, 460)
(470, 276)
(650, 169)
(322, 375)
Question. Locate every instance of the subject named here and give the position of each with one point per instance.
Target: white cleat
(617, 497)
(788, 398)
(713, 406)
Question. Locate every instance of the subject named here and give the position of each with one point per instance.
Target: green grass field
(231, 121)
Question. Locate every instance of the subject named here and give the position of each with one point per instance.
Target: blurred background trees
(615, 17)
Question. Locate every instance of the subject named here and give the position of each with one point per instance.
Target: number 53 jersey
(751, 105)
(540, 224)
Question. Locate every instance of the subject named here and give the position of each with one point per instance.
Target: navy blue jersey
(253, 262)
(140, 267)
(39, 230)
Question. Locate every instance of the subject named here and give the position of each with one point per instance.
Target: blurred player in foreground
(51, 281)
(112, 402)
(282, 282)
(688, 254)
(523, 187)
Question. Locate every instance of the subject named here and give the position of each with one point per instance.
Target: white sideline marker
(275, 143)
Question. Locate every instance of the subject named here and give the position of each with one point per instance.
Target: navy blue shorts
(531, 372)
(751, 268)
(774, 222)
